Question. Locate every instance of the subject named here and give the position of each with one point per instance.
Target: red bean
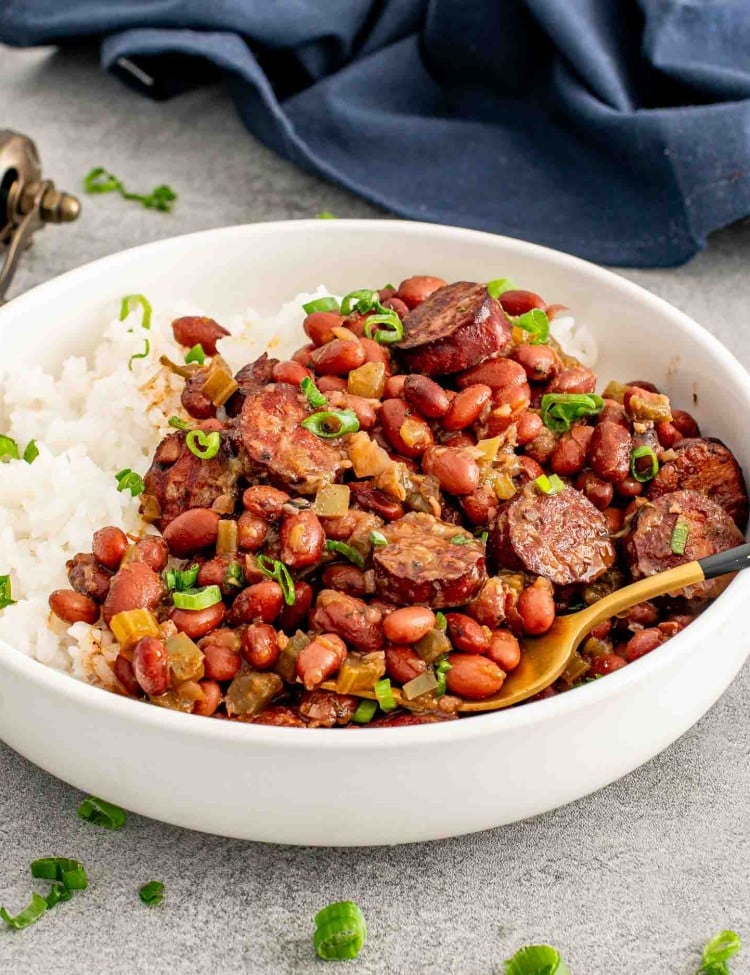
(319, 326)
(134, 586)
(467, 407)
(515, 399)
(261, 601)
(265, 502)
(196, 623)
(394, 413)
(505, 650)
(613, 412)
(331, 384)
(517, 302)
(466, 634)
(667, 433)
(375, 352)
(536, 606)
(480, 506)
(109, 546)
(629, 487)
(640, 615)
(605, 663)
(259, 646)
(489, 606)
(495, 373)
(73, 607)
(408, 624)
(615, 518)
(252, 532)
(302, 539)
(539, 362)
(473, 677)
(403, 664)
(609, 451)
(295, 616)
(598, 492)
(641, 643)
(685, 424)
(319, 659)
(575, 379)
(196, 330)
(568, 457)
(345, 578)
(303, 355)
(338, 357)
(208, 704)
(530, 469)
(414, 290)
(379, 503)
(290, 372)
(426, 396)
(153, 551)
(191, 531)
(125, 674)
(220, 663)
(214, 572)
(394, 387)
(528, 426)
(456, 470)
(151, 665)
(397, 305)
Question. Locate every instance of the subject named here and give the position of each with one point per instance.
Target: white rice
(93, 419)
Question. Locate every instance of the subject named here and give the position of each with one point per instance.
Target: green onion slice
(130, 303)
(98, 180)
(62, 869)
(101, 813)
(314, 396)
(152, 893)
(536, 960)
(57, 893)
(197, 598)
(365, 712)
(329, 424)
(384, 694)
(644, 472)
(499, 286)
(196, 354)
(181, 579)
(362, 301)
(483, 537)
(536, 323)
(8, 449)
(5, 593)
(31, 453)
(340, 931)
(560, 409)
(203, 445)
(139, 355)
(277, 571)
(718, 951)
(28, 915)
(321, 304)
(441, 674)
(378, 539)
(549, 485)
(679, 539)
(347, 551)
(128, 480)
(178, 423)
(393, 331)
(461, 540)
(441, 623)
(234, 575)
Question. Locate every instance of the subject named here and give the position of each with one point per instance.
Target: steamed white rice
(91, 421)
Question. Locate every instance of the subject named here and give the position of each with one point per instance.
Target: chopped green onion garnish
(365, 712)
(28, 915)
(549, 485)
(314, 396)
(152, 893)
(178, 423)
(331, 423)
(378, 538)
(203, 445)
(279, 573)
(717, 953)
(128, 480)
(102, 813)
(536, 960)
(234, 575)
(441, 671)
(197, 598)
(500, 286)
(5, 593)
(139, 355)
(8, 449)
(62, 869)
(98, 180)
(536, 323)
(679, 539)
(483, 537)
(57, 893)
(340, 931)
(326, 215)
(181, 579)
(130, 303)
(31, 453)
(560, 409)
(347, 551)
(393, 332)
(644, 472)
(321, 304)
(362, 301)
(384, 694)
(196, 354)
(460, 540)
(441, 623)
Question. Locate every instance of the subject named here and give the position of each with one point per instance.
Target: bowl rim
(427, 735)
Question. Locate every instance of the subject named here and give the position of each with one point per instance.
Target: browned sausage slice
(278, 446)
(251, 379)
(705, 465)
(359, 625)
(648, 548)
(425, 563)
(456, 327)
(562, 537)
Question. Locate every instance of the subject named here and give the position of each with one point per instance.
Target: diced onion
(131, 625)
(332, 500)
(367, 380)
(488, 449)
(185, 658)
(219, 384)
(421, 684)
(226, 542)
(414, 433)
(368, 457)
(345, 334)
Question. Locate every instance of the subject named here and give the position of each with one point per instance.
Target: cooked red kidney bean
(196, 623)
(151, 666)
(261, 601)
(125, 674)
(290, 372)
(194, 401)
(605, 663)
(528, 426)
(109, 546)
(495, 373)
(466, 634)
(294, 617)
(615, 518)
(574, 379)
(568, 457)
(208, 704)
(134, 586)
(640, 615)
(220, 663)
(397, 305)
(467, 407)
(456, 470)
(609, 451)
(394, 413)
(191, 531)
(613, 412)
(252, 532)
(303, 355)
(413, 291)
(536, 606)
(530, 469)
(265, 502)
(361, 406)
(338, 357)
(641, 643)
(505, 650)
(214, 572)
(259, 646)
(473, 676)
(394, 387)
(489, 606)
(375, 352)
(667, 433)
(345, 578)
(628, 487)
(408, 624)
(402, 664)
(302, 539)
(88, 577)
(518, 302)
(371, 499)
(511, 400)
(599, 492)
(73, 607)
(196, 330)
(331, 384)
(685, 424)
(426, 396)
(319, 659)
(480, 506)
(319, 326)
(154, 551)
(539, 362)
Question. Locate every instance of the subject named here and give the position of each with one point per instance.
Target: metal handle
(732, 560)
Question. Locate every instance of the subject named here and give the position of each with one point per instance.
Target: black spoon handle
(732, 560)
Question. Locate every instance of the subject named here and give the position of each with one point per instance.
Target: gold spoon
(546, 657)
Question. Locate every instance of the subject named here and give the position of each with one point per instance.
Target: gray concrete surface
(630, 881)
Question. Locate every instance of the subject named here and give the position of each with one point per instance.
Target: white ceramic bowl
(337, 787)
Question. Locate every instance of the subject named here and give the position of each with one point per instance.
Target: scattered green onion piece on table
(203, 445)
(637, 471)
(152, 893)
(277, 571)
(393, 332)
(362, 301)
(178, 423)
(326, 215)
(197, 598)
(365, 711)
(717, 953)
(499, 286)
(196, 354)
(66, 871)
(558, 410)
(321, 304)
(536, 323)
(549, 485)
(314, 396)
(8, 449)
(347, 551)
(340, 931)
(128, 480)
(98, 180)
(5, 593)
(57, 893)
(31, 453)
(536, 960)
(139, 355)
(441, 673)
(130, 303)
(461, 540)
(441, 623)
(378, 539)
(329, 424)
(102, 813)
(28, 915)
(384, 694)
(679, 539)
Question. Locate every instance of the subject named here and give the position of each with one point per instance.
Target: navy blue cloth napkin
(615, 129)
